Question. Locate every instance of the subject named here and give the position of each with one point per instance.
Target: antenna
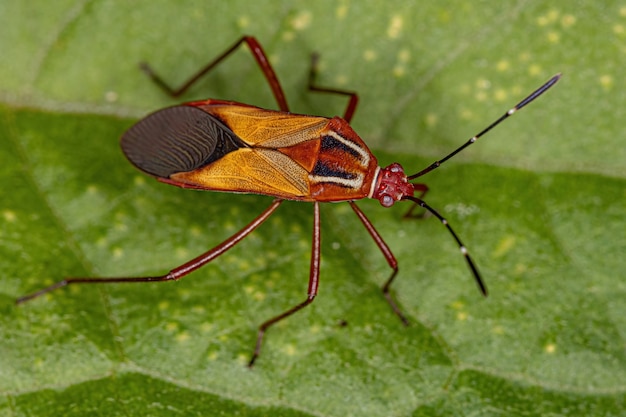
(474, 138)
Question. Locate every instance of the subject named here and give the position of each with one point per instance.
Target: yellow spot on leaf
(274, 276)
(554, 37)
(341, 11)
(198, 309)
(503, 65)
(243, 22)
(182, 253)
(568, 20)
(404, 55)
(395, 26)
(121, 227)
(606, 81)
(9, 216)
(550, 348)
(461, 315)
(118, 253)
(302, 20)
(500, 95)
(542, 21)
(548, 18)
(111, 96)
(466, 114)
(534, 69)
(369, 55)
(289, 350)
(483, 83)
(182, 337)
(553, 15)
(171, 326)
(504, 246)
(341, 80)
(244, 265)
(618, 29)
(163, 305)
(274, 59)
(431, 119)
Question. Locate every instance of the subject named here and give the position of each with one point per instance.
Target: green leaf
(539, 202)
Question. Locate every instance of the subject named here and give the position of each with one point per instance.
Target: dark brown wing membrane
(177, 139)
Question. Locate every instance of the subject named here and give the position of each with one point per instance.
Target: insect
(227, 146)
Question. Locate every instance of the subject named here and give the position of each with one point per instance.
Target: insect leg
(176, 273)
(391, 260)
(354, 98)
(259, 56)
(314, 276)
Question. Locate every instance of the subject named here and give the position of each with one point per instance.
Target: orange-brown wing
(265, 128)
(251, 170)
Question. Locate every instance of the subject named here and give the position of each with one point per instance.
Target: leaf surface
(539, 202)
